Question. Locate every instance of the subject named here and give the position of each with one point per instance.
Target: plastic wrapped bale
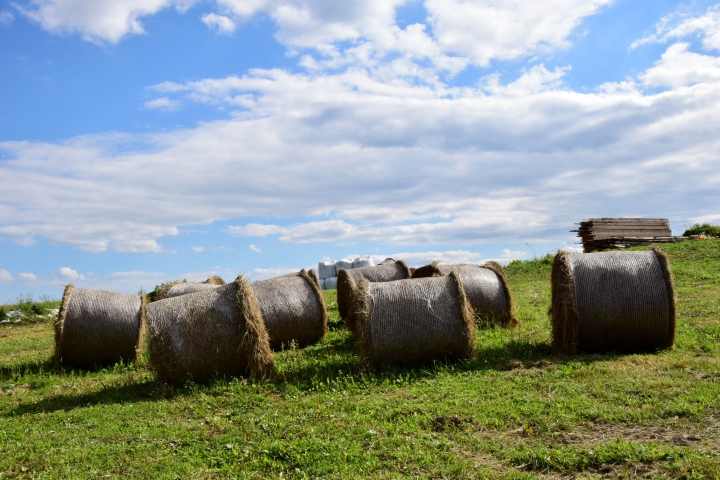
(326, 270)
(95, 327)
(363, 262)
(330, 283)
(181, 288)
(347, 280)
(344, 264)
(293, 309)
(212, 332)
(408, 322)
(612, 302)
(486, 287)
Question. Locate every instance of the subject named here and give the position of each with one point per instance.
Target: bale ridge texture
(293, 309)
(96, 328)
(413, 321)
(347, 280)
(612, 301)
(486, 287)
(220, 331)
(173, 289)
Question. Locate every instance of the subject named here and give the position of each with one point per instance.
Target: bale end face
(510, 320)
(563, 312)
(59, 323)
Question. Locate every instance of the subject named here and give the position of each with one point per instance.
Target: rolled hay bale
(408, 322)
(330, 283)
(486, 287)
(612, 301)
(347, 280)
(326, 270)
(344, 264)
(293, 309)
(186, 287)
(363, 262)
(218, 331)
(387, 261)
(95, 327)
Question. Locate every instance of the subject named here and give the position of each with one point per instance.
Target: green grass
(516, 411)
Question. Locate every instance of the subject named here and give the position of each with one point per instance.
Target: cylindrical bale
(293, 309)
(326, 270)
(413, 321)
(344, 264)
(330, 283)
(347, 280)
(387, 261)
(486, 287)
(363, 262)
(95, 327)
(211, 332)
(612, 302)
(185, 288)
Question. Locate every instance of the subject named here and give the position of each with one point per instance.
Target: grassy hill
(516, 411)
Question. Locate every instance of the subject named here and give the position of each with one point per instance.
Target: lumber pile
(599, 234)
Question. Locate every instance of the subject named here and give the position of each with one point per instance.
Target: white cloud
(163, 103)
(416, 259)
(29, 277)
(5, 276)
(70, 274)
(6, 18)
(508, 254)
(676, 26)
(255, 249)
(265, 273)
(97, 21)
(679, 67)
(221, 23)
(198, 249)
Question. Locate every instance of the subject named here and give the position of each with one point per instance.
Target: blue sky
(148, 140)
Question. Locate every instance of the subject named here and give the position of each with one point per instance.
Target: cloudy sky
(147, 140)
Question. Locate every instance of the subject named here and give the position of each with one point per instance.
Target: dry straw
(212, 332)
(347, 280)
(293, 309)
(612, 301)
(413, 321)
(95, 327)
(486, 287)
(173, 289)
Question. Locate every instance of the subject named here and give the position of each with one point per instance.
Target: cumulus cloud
(29, 277)
(163, 103)
(679, 67)
(97, 21)
(677, 26)
(69, 274)
(255, 249)
(221, 23)
(5, 276)
(416, 259)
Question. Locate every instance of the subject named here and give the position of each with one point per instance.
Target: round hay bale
(486, 287)
(218, 331)
(612, 301)
(185, 288)
(95, 327)
(413, 321)
(293, 309)
(347, 279)
(387, 261)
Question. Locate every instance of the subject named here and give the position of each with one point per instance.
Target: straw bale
(486, 287)
(212, 332)
(185, 288)
(387, 261)
(612, 301)
(347, 279)
(95, 327)
(413, 321)
(214, 280)
(326, 270)
(293, 309)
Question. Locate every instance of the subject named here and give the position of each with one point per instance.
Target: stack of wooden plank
(612, 233)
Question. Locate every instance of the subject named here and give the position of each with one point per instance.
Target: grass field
(516, 411)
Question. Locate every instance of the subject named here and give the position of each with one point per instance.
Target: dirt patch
(444, 423)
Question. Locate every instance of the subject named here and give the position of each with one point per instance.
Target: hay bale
(214, 280)
(326, 270)
(363, 262)
(185, 288)
(293, 309)
(387, 261)
(347, 279)
(413, 321)
(612, 301)
(212, 332)
(95, 327)
(330, 283)
(485, 286)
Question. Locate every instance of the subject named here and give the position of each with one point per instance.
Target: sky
(143, 141)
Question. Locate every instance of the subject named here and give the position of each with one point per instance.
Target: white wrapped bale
(345, 263)
(326, 270)
(330, 283)
(363, 262)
